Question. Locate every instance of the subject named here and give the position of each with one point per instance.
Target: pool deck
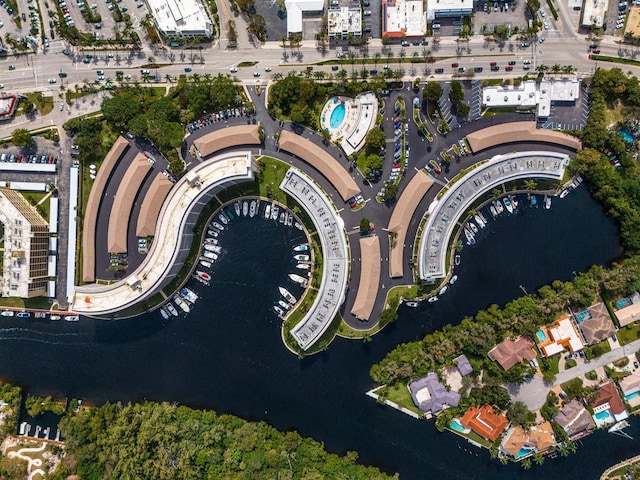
(360, 117)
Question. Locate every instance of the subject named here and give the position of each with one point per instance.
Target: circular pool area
(337, 115)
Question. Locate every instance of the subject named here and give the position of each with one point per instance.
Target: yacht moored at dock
(301, 258)
(298, 279)
(287, 295)
(301, 248)
(456, 260)
(499, 207)
(181, 303)
(172, 309)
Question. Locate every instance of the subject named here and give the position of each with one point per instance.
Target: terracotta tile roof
(508, 353)
(539, 438)
(608, 393)
(574, 418)
(485, 422)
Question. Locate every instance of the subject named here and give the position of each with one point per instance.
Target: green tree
(120, 109)
(21, 137)
(390, 192)
(519, 414)
(365, 225)
(432, 91)
(456, 94)
(375, 141)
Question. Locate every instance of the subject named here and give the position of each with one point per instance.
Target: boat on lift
(301, 248)
(172, 309)
(245, 208)
(252, 209)
(181, 303)
(236, 207)
(287, 295)
(223, 218)
(304, 266)
(301, 258)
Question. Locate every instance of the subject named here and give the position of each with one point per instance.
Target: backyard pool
(628, 136)
(524, 451)
(456, 425)
(583, 315)
(541, 336)
(623, 303)
(337, 116)
(602, 415)
(631, 396)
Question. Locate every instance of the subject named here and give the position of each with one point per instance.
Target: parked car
(434, 165)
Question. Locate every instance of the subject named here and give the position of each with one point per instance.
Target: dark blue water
(227, 354)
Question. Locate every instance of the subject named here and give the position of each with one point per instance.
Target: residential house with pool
(630, 386)
(485, 422)
(510, 352)
(595, 324)
(520, 443)
(607, 405)
(431, 396)
(560, 335)
(574, 419)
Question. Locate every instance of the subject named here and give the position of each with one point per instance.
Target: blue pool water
(631, 395)
(337, 116)
(602, 415)
(628, 136)
(523, 451)
(456, 425)
(623, 303)
(583, 315)
(541, 336)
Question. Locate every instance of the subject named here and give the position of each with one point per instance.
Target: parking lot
(103, 12)
(490, 14)
(220, 116)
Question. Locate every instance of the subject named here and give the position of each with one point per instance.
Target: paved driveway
(532, 393)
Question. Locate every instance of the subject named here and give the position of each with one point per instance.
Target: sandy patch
(633, 22)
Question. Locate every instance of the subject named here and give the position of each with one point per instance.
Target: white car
(61, 106)
(1, 86)
(52, 80)
(267, 69)
(546, 25)
(233, 69)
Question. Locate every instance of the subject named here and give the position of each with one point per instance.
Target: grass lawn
(614, 115)
(273, 174)
(627, 334)
(34, 455)
(554, 364)
(399, 393)
(35, 302)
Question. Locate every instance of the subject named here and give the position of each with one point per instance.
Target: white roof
(181, 17)
(523, 96)
(530, 94)
(593, 13)
(563, 331)
(443, 8)
(295, 9)
(344, 20)
(408, 15)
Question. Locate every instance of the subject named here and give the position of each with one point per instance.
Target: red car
(454, 65)
(596, 51)
(434, 165)
(509, 68)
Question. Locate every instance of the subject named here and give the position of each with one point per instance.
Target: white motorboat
(164, 313)
(304, 266)
(284, 305)
(245, 208)
(210, 255)
(453, 280)
(281, 219)
(298, 226)
(301, 258)
(252, 209)
(55, 317)
(473, 227)
(217, 225)
(236, 207)
(547, 202)
(267, 211)
(172, 309)
(298, 279)
(8, 313)
(275, 210)
(211, 241)
(71, 318)
(457, 259)
(470, 238)
(499, 207)
(290, 220)
(212, 248)
(212, 233)
(508, 205)
(411, 304)
(206, 263)
(433, 299)
(578, 179)
(301, 248)
(481, 223)
(181, 303)
(223, 218)
(287, 295)
(494, 212)
(514, 201)
(564, 193)
(443, 290)
(278, 310)
(189, 295)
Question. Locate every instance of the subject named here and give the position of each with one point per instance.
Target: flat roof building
(181, 18)
(343, 22)
(295, 11)
(8, 104)
(403, 18)
(594, 13)
(629, 314)
(26, 246)
(448, 8)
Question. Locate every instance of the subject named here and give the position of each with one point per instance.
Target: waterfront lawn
(35, 302)
(399, 393)
(473, 436)
(272, 175)
(627, 334)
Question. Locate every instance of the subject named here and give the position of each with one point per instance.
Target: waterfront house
(630, 384)
(485, 422)
(630, 313)
(597, 324)
(464, 367)
(431, 396)
(509, 352)
(559, 335)
(574, 418)
(519, 442)
(607, 405)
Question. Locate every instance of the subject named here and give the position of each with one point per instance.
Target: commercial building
(8, 105)
(296, 9)
(530, 94)
(181, 18)
(448, 8)
(26, 246)
(344, 22)
(593, 13)
(403, 19)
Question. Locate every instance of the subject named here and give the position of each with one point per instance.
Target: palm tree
(389, 55)
(283, 40)
(403, 54)
(376, 58)
(542, 68)
(556, 68)
(277, 76)
(538, 458)
(530, 184)
(365, 57)
(496, 192)
(568, 69)
(352, 58)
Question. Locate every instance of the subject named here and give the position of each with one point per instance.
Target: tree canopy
(432, 91)
(21, 137)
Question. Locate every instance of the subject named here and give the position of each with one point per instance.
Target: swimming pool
(583, 315)
(541, 336)
(456, 425)
(628, 136)
(623, 303)
(524, 451)
(337, 116)
(631, 395)
(602, 415)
